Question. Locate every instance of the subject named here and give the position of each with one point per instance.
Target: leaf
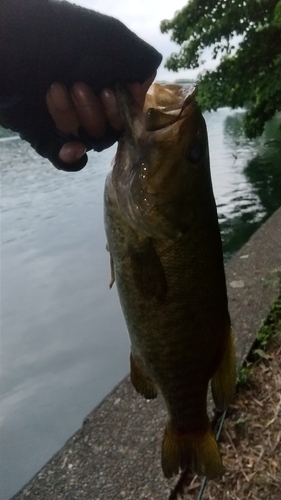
(241, 78)
(261, 354)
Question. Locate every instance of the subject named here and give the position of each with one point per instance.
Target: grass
(268, 332)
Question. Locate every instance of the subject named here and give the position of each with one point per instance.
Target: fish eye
(194, 153)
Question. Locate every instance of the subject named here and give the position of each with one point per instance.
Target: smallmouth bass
(166, 259)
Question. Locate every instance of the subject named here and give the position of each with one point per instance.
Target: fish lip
(155, 115)
(177, 96)
(187, 94)
(160, 117)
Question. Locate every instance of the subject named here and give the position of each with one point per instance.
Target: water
(64, 342)
(246, 176)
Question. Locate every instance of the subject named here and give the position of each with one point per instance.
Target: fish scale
(166, 256)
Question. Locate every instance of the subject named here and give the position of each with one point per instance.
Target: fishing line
(222, 419)
(204, 480)
(181, 484)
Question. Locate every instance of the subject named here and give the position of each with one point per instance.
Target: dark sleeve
(43, 41)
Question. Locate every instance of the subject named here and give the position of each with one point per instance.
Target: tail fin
(224, 381)
(199, 452)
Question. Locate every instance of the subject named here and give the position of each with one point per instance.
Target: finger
(139, 91)
(89, 109)
(62, 110)
(109, 102)
(72, 151)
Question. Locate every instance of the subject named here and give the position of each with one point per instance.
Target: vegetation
(270, 329)
(268, 332)
(245, 36)
(250, 441)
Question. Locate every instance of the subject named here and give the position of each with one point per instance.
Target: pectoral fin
(112, 278)
(141, 382)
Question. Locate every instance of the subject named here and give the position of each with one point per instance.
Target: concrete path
(116, 453)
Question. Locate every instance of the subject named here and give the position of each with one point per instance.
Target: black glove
(46, 41)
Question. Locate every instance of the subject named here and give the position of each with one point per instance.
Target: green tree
(248, 74)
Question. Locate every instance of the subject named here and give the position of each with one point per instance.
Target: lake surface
(64, 341)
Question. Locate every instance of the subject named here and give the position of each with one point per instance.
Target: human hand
(80, 107)
(61, 42)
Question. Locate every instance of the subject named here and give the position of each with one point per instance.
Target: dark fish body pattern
(166, 259)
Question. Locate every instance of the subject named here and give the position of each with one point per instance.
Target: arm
(46, 41)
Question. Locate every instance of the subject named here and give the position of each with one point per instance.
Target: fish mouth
(166, 105)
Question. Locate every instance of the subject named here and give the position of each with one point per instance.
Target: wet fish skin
(165, 247)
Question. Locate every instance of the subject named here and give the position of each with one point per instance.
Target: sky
(144, 17)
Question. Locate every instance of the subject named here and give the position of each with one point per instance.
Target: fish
(166, 259)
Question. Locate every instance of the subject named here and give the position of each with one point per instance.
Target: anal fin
(141, 382)
(224, 380)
